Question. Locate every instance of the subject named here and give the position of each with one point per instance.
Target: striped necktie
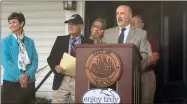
(73, 51)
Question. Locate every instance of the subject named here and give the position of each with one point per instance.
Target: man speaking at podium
(124, 33)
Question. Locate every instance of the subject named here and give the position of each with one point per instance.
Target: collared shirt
(14, 36)
(78, 41)
(17, 37)
(126, 32)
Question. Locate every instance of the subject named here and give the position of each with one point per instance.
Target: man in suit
(64, 85)
(124, 33)
(148, 79)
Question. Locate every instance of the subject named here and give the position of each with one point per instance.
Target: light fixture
(69, 5)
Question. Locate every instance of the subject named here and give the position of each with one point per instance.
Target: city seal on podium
(103, 68)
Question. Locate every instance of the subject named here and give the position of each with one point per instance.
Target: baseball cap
(75, 19)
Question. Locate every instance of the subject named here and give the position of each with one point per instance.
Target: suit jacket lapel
(115, 35)
(130, 34)
(66, 43)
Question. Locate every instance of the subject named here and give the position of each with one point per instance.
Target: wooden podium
(128, 84)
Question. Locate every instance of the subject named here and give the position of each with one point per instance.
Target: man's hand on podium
(59, 69)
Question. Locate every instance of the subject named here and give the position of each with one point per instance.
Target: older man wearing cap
(64, 85)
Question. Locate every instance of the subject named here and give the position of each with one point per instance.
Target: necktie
(121, 37)
(73, 51)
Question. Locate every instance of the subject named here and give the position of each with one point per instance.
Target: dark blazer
(60, 46)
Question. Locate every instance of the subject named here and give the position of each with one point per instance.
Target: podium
(128, 83)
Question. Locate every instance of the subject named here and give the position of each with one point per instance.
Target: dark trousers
(12, 93)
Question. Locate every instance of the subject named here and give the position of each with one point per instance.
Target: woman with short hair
(20, 62)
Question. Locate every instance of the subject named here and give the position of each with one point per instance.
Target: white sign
(101, 96)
